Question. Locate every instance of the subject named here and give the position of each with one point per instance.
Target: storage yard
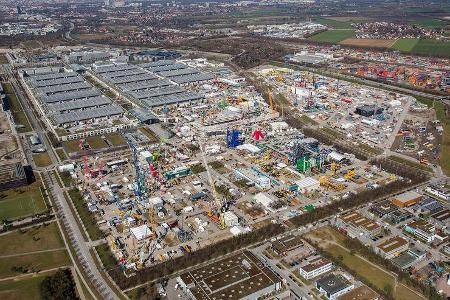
(218, 170)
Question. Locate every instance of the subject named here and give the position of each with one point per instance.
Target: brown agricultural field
(370, 43)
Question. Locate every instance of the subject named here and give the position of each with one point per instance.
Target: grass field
(332, 36)
(377, 276)
(432, 47)
(96, 142)
(445, 144)
(335, 23)
(21, 202)
(42, 159)
(32, 239)
(16, 109)
(116, 139)
(148, 133)
(72, 146)
(20, 289)
(106, 256)
(405, 44)
(409, 163)
(61, 154)
(13, 266)
(431, 23)
(88, 219)
(3, 59)
(19, 250)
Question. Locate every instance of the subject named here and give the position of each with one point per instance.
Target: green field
(24, 288)
(431, 23)
(332, 36)
(96, 142)
(61, 154)
(42, 160)
(405, 45)
(13, 266)
(106, 256)
(335, 24)
(116, 139)
(72, 146)
(88, 218)
(21, 202)
(377, 276)
(20, 250)
(30, 240)
(16, 109)
(432, 47)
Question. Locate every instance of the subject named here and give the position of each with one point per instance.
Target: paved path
(33, 252)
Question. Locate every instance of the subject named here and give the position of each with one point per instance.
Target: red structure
(257, 135)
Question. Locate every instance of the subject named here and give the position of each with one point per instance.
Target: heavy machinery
(350, 174)
(325, 182)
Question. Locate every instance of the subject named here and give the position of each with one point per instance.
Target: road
(64, 212)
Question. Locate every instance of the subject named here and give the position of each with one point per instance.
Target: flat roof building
(241, 276)
(422, 230)
(360, 293)
(315, 266)
(407, 199)
(333, 286)
(356, 225)
(391, 247)
(286, 244)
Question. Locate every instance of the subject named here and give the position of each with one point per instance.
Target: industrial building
(357, 226)
(408, 258)
(441, 218)
(422, 230)
(153, 84)
(391, 247)
(87, 57)
(362, 292)
(368, 110)
(67, 100)
(407, 199)
(286, 244)
(315, 266)
(241, 276)
(12, 176)
(154, 55)
(333, 286)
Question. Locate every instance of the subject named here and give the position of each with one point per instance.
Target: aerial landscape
(225, 150)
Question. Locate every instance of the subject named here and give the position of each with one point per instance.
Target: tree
(59, 286)
(388, 289)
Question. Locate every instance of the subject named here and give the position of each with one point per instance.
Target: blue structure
(232, 138)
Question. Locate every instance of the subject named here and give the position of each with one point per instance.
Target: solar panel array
(68, 98)
(154, 83)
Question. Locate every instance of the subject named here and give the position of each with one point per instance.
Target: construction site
(216, 168)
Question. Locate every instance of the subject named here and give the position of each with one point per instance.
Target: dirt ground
(377, 43)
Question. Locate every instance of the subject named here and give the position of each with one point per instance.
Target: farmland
(431, 23)
(332, 36)
(405, 45)
(432, 47)
(369, 43)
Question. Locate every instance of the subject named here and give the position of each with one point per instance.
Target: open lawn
(72, 146)
(13, 266)
(332, 36)
(88, 218)
(61, 154)
(16, 109)
(21, 202)
(377, 276)
(106, 256)
(3, 59)
(432, 47)
(116, 139)
(20, 289)
(148, 133)
(96, 142)
(31, 239)
(42, 159)
(409, 163)
(405, 45)
(334, 23)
